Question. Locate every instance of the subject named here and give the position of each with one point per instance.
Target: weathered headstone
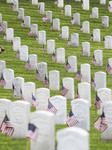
(18, 84)
(60, 55)
(44, 121)
(8, 75)
(85, 4)
(21, 13)
(65, 33)
(86, 73)
(96, 35)
(49, 16)
(80, 109)
(100, 80)
(56, 24)
(76, 17)
(9, 34)
(73, 138)
(75, 40)
(95, 13)
(33, 61)
(60, 103)
(86, 49)
(105, 21)
(23, 53)
(42, 96)
(102, 1)
(4, 25)
(60, 3)
(86, 27)
(2, 67)
(84, 90)
(72, 60)
(34, 2)
(69, 84)
(50, 46)
(41, 7)
(54, 80)
(19, 117)
(42, 37)
(15, 5)
(42, 69)
(34, 30)
(27, 21)
(108, 42)
(68, 10)
(16, 43)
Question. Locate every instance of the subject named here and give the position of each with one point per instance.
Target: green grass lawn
(20, 71)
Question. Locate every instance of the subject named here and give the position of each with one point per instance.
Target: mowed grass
(20, 71)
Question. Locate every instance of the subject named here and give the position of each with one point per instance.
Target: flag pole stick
(27, 144)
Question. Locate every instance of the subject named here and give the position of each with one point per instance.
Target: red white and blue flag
(46, 82)
(51, 108)
(35, 102)
(81, 29)
(2, 81)
(77, 95)
(78, 75)
(56, 2)
(44, 48)
(93, 83)
(37, 74)
(28, 65)
(1, 29)
(68, 43)
(30, 33)
(108, 69)
(72, 21)
(64, 91)
(44, 18)
(94, 59)
(17, 54)
(91, 37)
(22, 97)
(67, 66)
(97, 102)
(53, 57)
(14, 91)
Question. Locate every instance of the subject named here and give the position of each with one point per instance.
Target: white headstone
(68, 10)
(56, 24)
(44, 121)
(18, 84)
(86, 73)
(16, 4)
(27, 21)
(34, 2)
(41, 6)
(4, 108)
(96, 35)
(60, 55)
(33, 61)
(42, 96)
(50, 46)
(19, 117)
(9, 1)
(73, 138)
(108, 42)
(49, 16)
(8, 75)
(72, 60)
(65, 33)
(34, 30)
(107, 109)
(54, 80)
(0, 18)
(21, 13)
(86, 49)
(102, 1)
(42, 37)
(28, 90)
(110, 63)
(60, 3)
(85, 4)
(110, 2)
(60, 103)
(42, 69)
(100, 80)
(99, 57)
(4, 25)
(16, 43)
(80, 109)
(95, 13)
(84, 90)
(105, 21)
(69, 84)
(2, 67)
(76, 17)
(23, 53)
(86, 27)
(75, 40)
(9, 34)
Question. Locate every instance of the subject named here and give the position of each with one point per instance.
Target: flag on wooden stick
(53, 57)
(34, 102)
(93, 83)
(51, 108)
(108, 69)
(97, 102)
(78, 75)
(46, 82)
(37, 74)
(77, 95)
(67, 66)
(2, 81)
(64, 91)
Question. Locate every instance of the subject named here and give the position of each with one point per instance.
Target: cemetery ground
(30, 76)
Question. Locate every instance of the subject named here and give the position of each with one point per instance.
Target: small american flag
(90, 15)
(93, 60)
(14, 91)
(92, 83)
(60, 34)
(52, 26)
(44, 48)
(53, 57)
(46, 82)
(77, 95)
(91, 37)
(22, 24)
(28, 65)
(22, 97)
(51, 108)
(97, 102)
(37, 74)
(2, 81)
(5, 37)
(13, 5)
(103, 40)
(1, 29)
(17, 54)
(109, 7)
(72, 21)
(30, 33)
(78, 75)
(71, 120)
(101, 124)
(33, 132)
(81, 29)
(6, 127)
(62, 11)
(64, 91)
(44, 18)
(56, 2)
(37, 39)
(34, 102)
(108, 69)
(39, 8)
(67, 66)
(68, 43)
